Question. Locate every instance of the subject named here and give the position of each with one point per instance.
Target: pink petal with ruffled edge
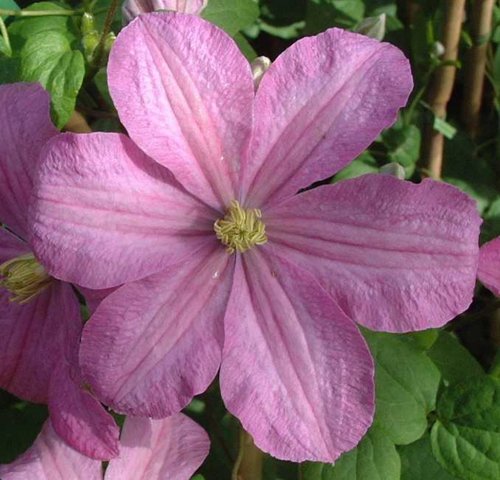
(169, 449)
(133, 8)
(107, 214)
(78, 417)
(396, 256)
(184, 92)
(489, 265)
(33, 340)
(295, 370)
(25, 126)
(51, 459)
(320, 104)
(155, 343)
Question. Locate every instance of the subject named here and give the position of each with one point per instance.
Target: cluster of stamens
(240, 229)
(23, 277)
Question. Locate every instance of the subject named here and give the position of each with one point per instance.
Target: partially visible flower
(169, 449)
(133, 8)
(223, 263)
(39, 315)
(489, 265)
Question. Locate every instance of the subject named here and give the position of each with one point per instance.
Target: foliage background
(438, 391)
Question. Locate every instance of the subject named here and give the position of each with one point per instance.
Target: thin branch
(475, 66)
(442, 84)
(108, 21)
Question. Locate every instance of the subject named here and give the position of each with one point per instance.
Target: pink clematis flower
(489, 265)
(224, 264)
(169, 449)
(39, 315)
(133, 8)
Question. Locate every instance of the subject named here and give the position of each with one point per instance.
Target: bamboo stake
(248, 465)
(482, 13)
(442, 84)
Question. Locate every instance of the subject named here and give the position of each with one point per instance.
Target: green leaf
(364, 164)
(424, 339)
(406, 386)
(418, 463)
(323, 14)
(375, 458)
(403, 145)
(453, 360)
(8, 5)
(47, 58)
(231, 15)
(466, 437)
(24, 28)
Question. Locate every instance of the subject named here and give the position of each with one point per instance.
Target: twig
(108, 21)
(442, 84)
(475, 66)
(248, 465)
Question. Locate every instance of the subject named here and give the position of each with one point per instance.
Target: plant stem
(248, 465)
(475, 66)
(99, 50)
(38, 13)
(5, 36)
(442, 83)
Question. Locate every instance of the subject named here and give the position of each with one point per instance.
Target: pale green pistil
(23, 277)
(240, 229)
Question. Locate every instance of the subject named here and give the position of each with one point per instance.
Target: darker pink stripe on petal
(184, 92)
(155, 343)
(295, 370)
(396, 256)
(105, 213)
(320, 104)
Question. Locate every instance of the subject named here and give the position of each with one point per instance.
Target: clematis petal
(155, 343)
(11, 246)
(94, 298)
(320, 104)
(489, 265)
(51, 459)
(168, 449)
(295, 370)
(184, 92)
(395, 256)
(24, 127)
(106, 213)
(133, 8)
(33, 340)
(79, 419)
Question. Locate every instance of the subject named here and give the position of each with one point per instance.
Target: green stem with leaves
(5, 36)
(108, 21)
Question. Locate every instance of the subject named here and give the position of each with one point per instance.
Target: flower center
(23, 277)
(240, 229)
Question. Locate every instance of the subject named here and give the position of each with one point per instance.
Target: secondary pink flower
(39, 315)
(224, 264)
(133, 8)
(489, 265)
(169, 449)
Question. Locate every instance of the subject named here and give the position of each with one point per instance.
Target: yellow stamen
(240, 229)
(23, 277)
